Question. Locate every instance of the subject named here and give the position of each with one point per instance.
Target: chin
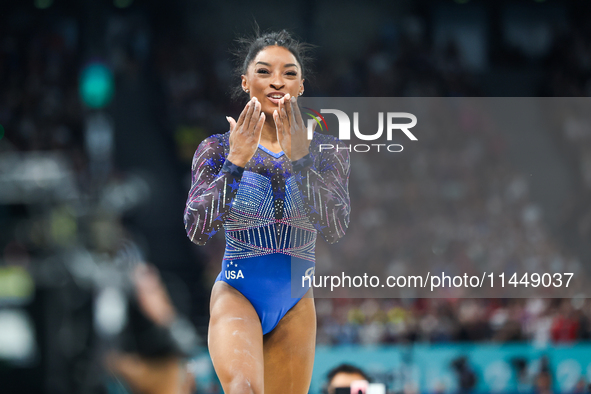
(268, 111)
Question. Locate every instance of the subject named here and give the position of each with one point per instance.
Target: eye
(262, 71)
(293, 73)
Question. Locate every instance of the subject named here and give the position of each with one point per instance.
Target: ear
(244, 82)
(302, 87)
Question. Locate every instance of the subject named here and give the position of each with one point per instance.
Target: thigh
(235, 340)
(289, 351)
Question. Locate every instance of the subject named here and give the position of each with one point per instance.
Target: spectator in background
(565, 327)
(342, 376)
(465, 374)
(543, 380)
(153, 375)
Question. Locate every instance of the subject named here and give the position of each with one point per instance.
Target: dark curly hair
(249, 47)
(345, 368)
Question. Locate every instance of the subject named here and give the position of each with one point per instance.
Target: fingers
(248, 116)
(256, 116)
(279, 108)
(253, 116)
(282, 116)
(288, 110)
(232, 122)
(278, 123)
(242, 117)
(296, 113)
(259, 127)
(285, 119)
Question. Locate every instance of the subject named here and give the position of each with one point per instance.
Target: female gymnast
(273, 190)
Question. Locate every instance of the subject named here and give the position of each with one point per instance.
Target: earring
(300, 93)
(246, 91)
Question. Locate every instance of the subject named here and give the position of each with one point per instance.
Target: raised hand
(245, 134)
(292, 134)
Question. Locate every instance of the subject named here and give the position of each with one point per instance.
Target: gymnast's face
(272, 74)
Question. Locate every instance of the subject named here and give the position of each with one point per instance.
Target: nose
(277, 81)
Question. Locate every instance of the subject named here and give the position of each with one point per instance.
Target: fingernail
(228, 118)
(293, 99)
(287, 96)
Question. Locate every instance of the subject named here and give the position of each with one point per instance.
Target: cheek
(260, 84)
(295, 86)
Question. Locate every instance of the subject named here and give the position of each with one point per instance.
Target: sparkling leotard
(271, 210)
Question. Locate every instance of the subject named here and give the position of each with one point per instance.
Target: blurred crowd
(572, 131)
(62, 204)
(41, 113)
(39, 102)
(387, 321)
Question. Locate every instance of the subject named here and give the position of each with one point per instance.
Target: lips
(275, 97)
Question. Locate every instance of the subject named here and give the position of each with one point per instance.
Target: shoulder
(215, 146)
(320, 138)
(215, 141)
(221, 138)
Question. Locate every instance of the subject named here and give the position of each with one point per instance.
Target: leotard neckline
(275, 155)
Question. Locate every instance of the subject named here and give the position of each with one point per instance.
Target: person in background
(143, 375)
(342, 376)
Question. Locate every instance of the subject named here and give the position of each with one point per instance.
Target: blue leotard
(271, 210)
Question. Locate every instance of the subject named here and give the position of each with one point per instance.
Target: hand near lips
(246, 133)
(292, 134)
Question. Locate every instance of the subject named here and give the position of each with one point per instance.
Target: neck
(269, 133)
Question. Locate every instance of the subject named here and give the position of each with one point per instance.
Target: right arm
(214, 184)
(215, 178)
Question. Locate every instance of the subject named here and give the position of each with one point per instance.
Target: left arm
(323, 181)
(322, 177)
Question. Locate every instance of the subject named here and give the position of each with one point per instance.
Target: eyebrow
(268, 65)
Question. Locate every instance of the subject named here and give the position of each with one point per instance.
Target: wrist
(237, 160)
(302, 163)
(295, 156)
(232, 168)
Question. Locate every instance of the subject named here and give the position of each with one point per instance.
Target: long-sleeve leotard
(271, 193)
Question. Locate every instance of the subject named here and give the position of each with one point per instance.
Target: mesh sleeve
(214, 184)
